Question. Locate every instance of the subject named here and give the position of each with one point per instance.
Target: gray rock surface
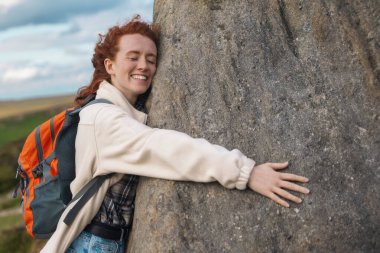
(279, 80)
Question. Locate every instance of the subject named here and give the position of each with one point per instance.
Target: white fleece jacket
(114, 138)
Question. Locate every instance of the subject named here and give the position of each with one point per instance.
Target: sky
(46, 46)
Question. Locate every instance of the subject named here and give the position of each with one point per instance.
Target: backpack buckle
(37, 171)
(18, 171)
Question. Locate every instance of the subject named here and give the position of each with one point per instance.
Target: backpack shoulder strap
(39, 145)
(89, 189)
(99, 100)
(65, 149)
(95, 101)
(84, 195)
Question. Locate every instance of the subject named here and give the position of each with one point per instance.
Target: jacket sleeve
(126, 146)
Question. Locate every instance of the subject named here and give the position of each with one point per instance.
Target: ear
(108, 64)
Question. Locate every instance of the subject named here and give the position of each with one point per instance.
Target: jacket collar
(111, 93)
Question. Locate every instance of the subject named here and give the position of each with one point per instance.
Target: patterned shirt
(119, 203)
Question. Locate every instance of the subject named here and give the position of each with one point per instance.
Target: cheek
(154, 71)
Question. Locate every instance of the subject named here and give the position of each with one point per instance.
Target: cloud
(24, 12)
(20, 74)
(38, 81)
(6, 4)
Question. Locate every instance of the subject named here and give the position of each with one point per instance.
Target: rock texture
(279, 80)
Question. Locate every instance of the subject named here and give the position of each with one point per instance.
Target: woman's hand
(266, 180)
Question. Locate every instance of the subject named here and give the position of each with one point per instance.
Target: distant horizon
(43, 96)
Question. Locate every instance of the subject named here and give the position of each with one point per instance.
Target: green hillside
(17, 128)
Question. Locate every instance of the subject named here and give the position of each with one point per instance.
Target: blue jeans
(89, 243)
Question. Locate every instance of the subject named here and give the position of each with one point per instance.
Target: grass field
(15, 240)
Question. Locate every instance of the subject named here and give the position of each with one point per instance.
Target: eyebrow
(138, 52)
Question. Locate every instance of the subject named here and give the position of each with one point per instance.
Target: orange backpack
(46, 169)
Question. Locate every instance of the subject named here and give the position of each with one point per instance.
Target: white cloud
(5, 5)
(21, 74)
(49, 80)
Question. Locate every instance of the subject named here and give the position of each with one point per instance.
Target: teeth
(139, 77)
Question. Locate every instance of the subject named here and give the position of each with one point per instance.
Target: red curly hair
(107, 47)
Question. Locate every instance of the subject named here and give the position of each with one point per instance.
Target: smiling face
(134, 65)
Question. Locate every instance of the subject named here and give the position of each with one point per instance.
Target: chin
(142, 89)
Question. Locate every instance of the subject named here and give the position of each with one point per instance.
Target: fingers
(287, 195)
(276, 185)
(294, 187)
(293, 177)
(278, 166)
(287, 176)
(278, 200)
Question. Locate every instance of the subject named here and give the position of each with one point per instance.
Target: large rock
(279, 80)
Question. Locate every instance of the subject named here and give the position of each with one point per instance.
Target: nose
(142, 64)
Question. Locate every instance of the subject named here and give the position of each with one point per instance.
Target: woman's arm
(127, 146)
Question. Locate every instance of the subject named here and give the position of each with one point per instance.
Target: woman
(113, 138)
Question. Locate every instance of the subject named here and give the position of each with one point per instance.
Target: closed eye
(151, 59)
